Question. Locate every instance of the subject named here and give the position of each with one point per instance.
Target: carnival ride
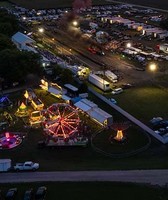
(9, 140)
(22, 111)
(119, 127)
(62, 126)
(36, 117)
(5, 102)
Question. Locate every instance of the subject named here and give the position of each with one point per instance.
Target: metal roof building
(23, 42)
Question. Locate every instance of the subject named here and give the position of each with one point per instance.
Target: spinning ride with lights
(62, 122)
(119, 127)
(9, 140)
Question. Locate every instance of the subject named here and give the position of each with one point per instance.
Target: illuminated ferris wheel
(63, 121)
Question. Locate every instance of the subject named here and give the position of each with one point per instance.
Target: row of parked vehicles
(160, 126)
(29, 194)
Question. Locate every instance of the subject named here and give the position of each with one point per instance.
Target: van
(117, 91)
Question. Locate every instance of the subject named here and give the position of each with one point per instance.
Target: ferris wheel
(63, 121)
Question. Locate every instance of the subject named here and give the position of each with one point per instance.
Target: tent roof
(89, 103)
(99, 114)
(82, 106)
(65, 97)
(53, 90)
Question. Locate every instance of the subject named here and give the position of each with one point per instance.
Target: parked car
(28, 165)
(11, 194)
(139, 69)
(28, 195)
(41, 193)
(127, 85)
(156, 120)
(113, 100)
(117, 91)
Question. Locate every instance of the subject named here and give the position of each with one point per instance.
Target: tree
(5, 42)
(66, 76)
(164, 24)
(83, 88)
(16, 65)
(57, 70)
(6, 28)
(8, 23)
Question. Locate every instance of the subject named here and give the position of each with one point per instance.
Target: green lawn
(144, 102)
(134, 140)
(92, 190)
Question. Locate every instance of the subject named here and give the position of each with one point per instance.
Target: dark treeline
(15, 65)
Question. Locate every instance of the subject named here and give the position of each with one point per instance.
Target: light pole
(128, 45)
(41, 31)
(153, 69)
(104, 68)
(75, 23)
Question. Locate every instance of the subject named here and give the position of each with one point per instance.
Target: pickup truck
(28, 165)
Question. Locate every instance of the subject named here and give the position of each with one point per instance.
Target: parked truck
(5, 165)
(26, 166)
(99, 82)
(111, 76)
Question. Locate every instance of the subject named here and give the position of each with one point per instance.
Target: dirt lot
(163, 4)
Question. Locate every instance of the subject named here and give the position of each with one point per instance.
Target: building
(23, 42)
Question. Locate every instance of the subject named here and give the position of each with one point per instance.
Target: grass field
(92, 190)
(143, 102)
(163, 4)
(134, 140)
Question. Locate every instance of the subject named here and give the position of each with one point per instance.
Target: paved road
(154, 177)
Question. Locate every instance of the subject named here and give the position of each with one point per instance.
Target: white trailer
(5, 165)
(111, 76)
(164, 48)
(99, 82)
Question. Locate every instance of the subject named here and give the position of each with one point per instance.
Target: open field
(143, 102)
(162, 4)
(94, 191)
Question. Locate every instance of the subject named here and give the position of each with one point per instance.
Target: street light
(152, 67)
(41, 30)
(75, 23)
(128, 45)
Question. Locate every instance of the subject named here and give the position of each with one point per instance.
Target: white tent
(82, 106)
(89, 103)
(54, 91)
(101, 116)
